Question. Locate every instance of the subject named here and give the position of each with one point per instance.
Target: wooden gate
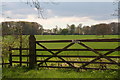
(84, 63)
(35, 55)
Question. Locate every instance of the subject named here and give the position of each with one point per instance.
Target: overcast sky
(61, 13)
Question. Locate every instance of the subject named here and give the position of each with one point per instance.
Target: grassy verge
(23, 72)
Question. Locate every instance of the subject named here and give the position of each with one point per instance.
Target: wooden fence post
(10, 56)
(2, 61)
(32, 51)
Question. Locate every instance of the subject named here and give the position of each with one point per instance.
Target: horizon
(59, 27)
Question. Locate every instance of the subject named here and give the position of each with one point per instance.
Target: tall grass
(23, 72)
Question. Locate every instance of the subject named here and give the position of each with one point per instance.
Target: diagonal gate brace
(55, 54)
(100, 55)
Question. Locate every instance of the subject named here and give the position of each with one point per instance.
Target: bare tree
(37, 5)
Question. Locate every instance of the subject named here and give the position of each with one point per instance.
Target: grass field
(23, 72)
(69, 37)
(19, 72)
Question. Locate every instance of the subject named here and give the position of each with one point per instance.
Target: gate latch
(75, 41)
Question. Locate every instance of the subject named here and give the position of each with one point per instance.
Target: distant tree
(102, 29)
(5, 29)
(55, 30)
(86, 30)
(92, 30)
(114, 27)
(72, 29)
(40, 30)
(68, 27)
(64, 31)
(59, 31)
(79, 28)
(28, 28)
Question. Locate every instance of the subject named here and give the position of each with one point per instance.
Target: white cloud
(35, 9)
(63, 21)
(30, 17)
(8, 12)
(49, 11)
(12, 15)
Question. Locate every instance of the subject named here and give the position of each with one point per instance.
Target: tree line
(21, 27)
(33, 28)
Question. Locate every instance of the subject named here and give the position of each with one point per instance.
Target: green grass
(23, 72)
(69, 37)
